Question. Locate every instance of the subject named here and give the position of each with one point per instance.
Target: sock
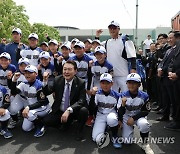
(14, 117)
(144, 136)
(114, 131)
(4, 124)
(38, 122)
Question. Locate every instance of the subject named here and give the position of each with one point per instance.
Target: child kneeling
(105, 101)
(133, 107)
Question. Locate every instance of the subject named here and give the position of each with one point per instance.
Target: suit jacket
(175, 63)
(77, 93)
(166, 61)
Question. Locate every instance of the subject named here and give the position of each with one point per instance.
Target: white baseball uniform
(134, 108)
(97, 70)
(33, 97)
(32, 55)
(106, 114)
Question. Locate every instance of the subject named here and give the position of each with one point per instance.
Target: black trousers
(54, 119)
(159, 91)
(168, 97)
(176, 86)
(152, 89)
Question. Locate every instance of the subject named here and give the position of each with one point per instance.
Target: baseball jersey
(82, 65)
(32, 55)
(21, 79)
(134, 105)
(115, 48)
(4, 72)
(50, 69)
(91, 55)
(64, 60)
(97, 70)
(11, 49)
(106, 104)
(4, 98)
(52, 56)
(32, 92)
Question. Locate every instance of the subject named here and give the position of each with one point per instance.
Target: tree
(12, 16)
(42, 29)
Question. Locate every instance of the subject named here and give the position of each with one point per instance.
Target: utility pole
(136, 32)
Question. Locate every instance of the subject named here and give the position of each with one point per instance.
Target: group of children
(21, 91)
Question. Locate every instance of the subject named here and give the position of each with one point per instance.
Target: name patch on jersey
(105, 105)
(29, 95)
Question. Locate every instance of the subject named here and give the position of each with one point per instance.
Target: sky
(95, 14)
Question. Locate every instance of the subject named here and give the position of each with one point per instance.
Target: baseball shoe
(39, 132)
(116, 144)
(147, 149)
(6, 133)
(12, 124)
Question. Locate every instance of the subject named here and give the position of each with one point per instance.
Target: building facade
(68, 33)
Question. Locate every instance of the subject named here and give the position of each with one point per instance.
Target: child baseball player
(44, 46)
(23, 62)
(106, 101)
(99, 67)
(133, 107)
(6, 68)
(95, 43)
(88, 49)
(34, 103)
(53, 50)
(83, 62)
(65, 50)
(32, 52)
(4, 113)
(46, 66)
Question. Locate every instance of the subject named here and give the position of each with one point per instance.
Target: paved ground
(55, 141)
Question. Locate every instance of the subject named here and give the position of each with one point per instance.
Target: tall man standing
(120, 51)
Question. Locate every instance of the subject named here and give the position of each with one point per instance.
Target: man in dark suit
(167, 84)
(70, 99)
(161, 50)
(174, 75)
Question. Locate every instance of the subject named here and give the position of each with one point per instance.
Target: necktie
(66, 101)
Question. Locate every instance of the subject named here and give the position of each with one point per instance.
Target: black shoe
(64, 127)
(163, 118)
(79, 136)
(156, 108)
(173, 126)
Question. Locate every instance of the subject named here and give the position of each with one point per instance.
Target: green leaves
(42, 29)
(12, 16)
